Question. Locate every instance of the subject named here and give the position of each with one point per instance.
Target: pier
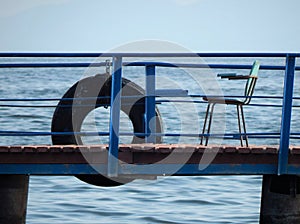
(147, 155)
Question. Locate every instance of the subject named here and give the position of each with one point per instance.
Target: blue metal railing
(150, 67)
(286, 114)
(114, 122)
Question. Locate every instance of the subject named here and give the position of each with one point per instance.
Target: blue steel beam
(159, 169)
(286, 115)
(52, 169)
(154, 169)
(193, 169)
(114, 122)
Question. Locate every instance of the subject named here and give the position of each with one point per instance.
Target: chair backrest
(250, 85)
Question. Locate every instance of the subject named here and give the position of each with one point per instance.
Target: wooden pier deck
(145, 159)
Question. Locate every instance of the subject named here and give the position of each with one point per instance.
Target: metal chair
(212, 101)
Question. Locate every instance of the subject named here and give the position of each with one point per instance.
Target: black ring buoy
(69, 118)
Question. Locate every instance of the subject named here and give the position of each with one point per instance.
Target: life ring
(69, 115)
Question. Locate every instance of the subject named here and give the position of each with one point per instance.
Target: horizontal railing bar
(120, 54)
(136, 96)
(159, 64)
(29, 106)
(215, 66)
(229, 137)
(240, 96)
(62, 106)
(124, 103)
(226, 136)
(198, 101)
(98, 105)
(32, 133)
(51, 65)
(35, 99)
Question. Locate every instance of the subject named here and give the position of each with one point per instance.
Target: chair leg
(209, 116)
(209, 123)
(204, 124)
(244, 125)
(239, 124)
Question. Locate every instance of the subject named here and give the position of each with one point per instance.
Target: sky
(197, 25)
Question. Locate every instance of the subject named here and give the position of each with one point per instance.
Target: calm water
(207, 199)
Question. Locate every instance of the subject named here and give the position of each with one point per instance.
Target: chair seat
(223, 100)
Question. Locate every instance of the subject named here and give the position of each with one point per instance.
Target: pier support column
(13, 198)
(280, 201)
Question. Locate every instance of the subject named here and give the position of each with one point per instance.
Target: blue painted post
(113, 163)
(150, 121)
(286, 115)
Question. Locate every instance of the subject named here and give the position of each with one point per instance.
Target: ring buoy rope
(70, 114)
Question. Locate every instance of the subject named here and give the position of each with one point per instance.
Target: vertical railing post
(150, 120)
(113, 163)
(286, 115)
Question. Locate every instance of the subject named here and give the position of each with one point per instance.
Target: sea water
(198, 199)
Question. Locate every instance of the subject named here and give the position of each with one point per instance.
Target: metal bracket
(107, 66)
